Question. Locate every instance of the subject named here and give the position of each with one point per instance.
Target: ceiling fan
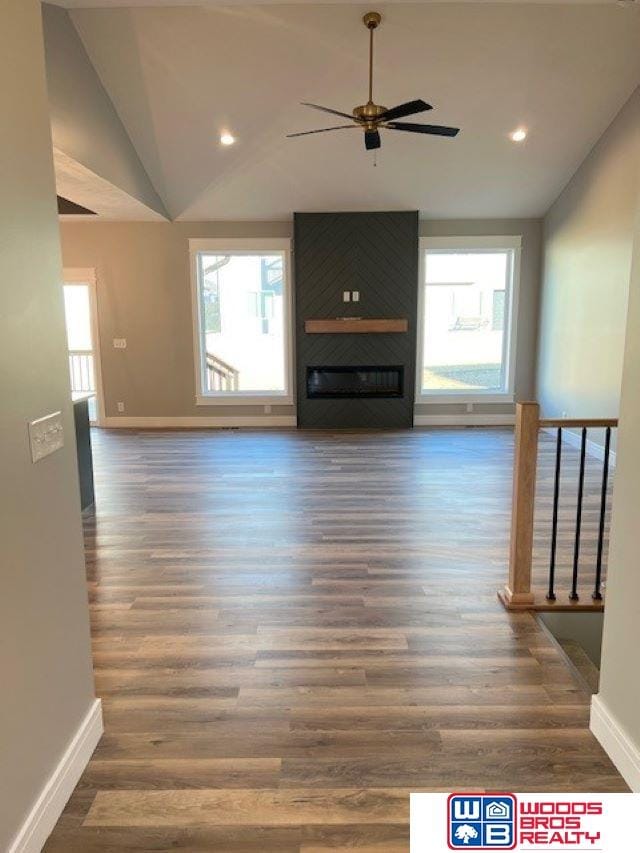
(371, 117)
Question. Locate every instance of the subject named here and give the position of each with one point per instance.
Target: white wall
(45, 663)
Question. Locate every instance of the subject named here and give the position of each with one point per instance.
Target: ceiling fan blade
(322, 130)
(434, 129)
(328, 110)
(408, 109)
(371, 139)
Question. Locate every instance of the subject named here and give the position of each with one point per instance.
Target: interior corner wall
(617, 723)
(47, 682)
(84, 122)
(587, 249)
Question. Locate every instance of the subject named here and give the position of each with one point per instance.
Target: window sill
(239, 399)
(460, 397)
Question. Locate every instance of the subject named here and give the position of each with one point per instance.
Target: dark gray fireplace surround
(351, 380)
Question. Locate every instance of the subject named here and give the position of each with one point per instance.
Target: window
(467, 308)
(241, 320)
(82, 339)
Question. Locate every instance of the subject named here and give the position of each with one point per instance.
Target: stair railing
(519, 594)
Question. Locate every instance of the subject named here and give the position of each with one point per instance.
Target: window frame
(241, 246)
(88, 275)
(478, 245)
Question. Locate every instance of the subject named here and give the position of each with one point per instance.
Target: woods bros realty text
(541, 822)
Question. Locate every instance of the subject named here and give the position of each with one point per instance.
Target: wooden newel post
(517, 593)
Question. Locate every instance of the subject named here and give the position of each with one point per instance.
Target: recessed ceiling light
(518, 135)
(227, 139)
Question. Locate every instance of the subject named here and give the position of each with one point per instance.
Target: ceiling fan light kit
(372, 117)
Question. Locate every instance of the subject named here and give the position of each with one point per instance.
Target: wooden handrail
(572, 423)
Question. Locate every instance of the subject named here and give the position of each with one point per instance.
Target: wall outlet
(346, 296)
(46, 435)
(355, 296)
(120, 407)
(469, 408)
(267, 409)
(119, 343)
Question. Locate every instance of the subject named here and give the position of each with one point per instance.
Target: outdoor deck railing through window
(220, 375)
(81, 371)
(560, 590)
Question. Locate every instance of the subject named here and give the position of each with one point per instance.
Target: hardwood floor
(292, 631)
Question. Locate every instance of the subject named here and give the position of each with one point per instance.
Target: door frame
(80, 275)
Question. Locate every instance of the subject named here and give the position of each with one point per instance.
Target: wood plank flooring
(294, 630)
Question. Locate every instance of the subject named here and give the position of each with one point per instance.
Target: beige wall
(589, 366)
(587, 261)
(47, 685)
(620, 671)
(144, 296)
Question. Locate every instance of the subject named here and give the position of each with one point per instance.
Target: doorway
(82, 339)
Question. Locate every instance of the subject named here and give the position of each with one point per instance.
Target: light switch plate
(346, 295)
(119, 343)
(355, 296)
(46, 435)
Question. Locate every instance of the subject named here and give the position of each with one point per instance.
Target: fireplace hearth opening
(345, 382)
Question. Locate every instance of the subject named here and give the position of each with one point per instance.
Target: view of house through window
(242, 316)
(466, 318)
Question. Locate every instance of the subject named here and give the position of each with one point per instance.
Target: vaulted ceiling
(178, 75)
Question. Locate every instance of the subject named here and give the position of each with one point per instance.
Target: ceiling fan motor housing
(369, 112)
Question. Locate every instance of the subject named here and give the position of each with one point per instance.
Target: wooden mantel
(355, 325)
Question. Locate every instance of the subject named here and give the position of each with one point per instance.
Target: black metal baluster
(551, 595)
(597, 595)
(576, 549)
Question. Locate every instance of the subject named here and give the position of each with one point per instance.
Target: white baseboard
(574, 439)
(464, 420)
(200, 422)
(50, 804)
(616, 742)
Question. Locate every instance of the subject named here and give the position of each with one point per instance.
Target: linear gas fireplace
(357, 381)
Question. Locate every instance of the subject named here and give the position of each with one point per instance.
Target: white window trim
(473, 244)
(241, 246)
